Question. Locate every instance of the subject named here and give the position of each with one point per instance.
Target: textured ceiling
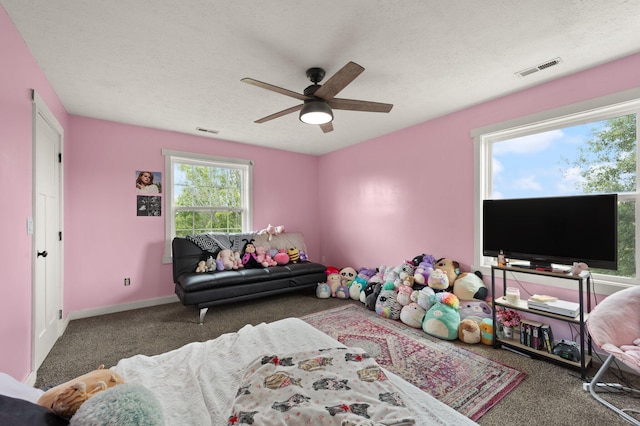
(177, 64)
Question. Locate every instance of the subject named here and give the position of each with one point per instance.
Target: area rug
(467, 382)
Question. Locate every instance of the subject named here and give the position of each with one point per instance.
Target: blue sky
(536, 165)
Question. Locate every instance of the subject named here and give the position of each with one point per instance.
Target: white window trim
(598, 108)
(170, 157)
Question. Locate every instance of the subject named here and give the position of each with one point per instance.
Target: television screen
(559, 230)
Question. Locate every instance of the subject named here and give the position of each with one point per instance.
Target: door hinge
(60, 314)
(60, 157)
(60, 236)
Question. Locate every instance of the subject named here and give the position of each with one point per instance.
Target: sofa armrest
(186, 256)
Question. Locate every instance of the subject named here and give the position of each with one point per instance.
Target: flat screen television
(558, 230)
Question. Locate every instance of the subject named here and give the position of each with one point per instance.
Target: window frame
(172, 157)
(606, 107)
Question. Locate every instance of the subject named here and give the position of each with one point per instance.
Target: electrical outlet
(127, 281)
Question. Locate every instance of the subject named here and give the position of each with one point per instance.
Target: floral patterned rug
(467, 382)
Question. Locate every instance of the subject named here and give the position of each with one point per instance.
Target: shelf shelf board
(559, 273)
(542, 353)
(522, 306)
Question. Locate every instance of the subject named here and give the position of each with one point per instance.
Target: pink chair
(614, 326)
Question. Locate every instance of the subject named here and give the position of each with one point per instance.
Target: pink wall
(411, 191)
(105, 240)
(19, 74)
(381, 201)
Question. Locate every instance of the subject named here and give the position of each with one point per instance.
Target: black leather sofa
(208, 289)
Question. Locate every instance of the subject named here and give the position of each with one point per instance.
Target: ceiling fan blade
(339, 81)
(279, 114)
(355, 105)
(275, 88)
(327, 127)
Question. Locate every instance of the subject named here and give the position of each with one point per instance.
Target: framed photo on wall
(148, 182)
(149, 205)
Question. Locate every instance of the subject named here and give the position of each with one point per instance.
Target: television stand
(538, 267)
(579, 320)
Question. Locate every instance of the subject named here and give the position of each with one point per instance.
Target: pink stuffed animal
(333, 279)
(271, 230)
(281, 258)
(263, 257)
(404, 295)
(237, 260)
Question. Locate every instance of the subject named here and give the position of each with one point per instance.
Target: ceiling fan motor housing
(315, 74)
(311, 90)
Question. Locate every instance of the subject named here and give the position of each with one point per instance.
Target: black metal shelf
(585, 308)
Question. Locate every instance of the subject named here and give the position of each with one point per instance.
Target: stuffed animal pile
(251, 256)
(424, 293)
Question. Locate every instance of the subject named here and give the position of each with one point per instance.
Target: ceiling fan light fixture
(316, 112)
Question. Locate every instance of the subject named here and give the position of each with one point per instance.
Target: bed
(197, 384)
(209, 383)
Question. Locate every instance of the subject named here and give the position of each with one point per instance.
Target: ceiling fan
(319, 99)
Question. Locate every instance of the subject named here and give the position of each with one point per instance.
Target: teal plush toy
(356, 287)
(442, 319)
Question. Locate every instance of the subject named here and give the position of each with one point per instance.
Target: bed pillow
(122, 405)
(19, 412)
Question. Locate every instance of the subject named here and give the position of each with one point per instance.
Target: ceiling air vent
(545, 65)
(202, 129)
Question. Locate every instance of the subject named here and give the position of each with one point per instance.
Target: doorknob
(43, 253)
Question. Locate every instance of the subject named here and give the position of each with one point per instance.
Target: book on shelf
(531, 333)
(523, 332)
(547, 338)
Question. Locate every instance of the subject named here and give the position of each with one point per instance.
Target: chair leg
(594, 384)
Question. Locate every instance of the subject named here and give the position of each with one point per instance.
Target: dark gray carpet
(551, 394)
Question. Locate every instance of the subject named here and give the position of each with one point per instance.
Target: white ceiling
(177, 64)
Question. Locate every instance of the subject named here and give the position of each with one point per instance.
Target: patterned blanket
(198, 383)
(337, 386)
(214, 242)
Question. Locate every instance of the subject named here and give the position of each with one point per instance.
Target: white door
(47, 247)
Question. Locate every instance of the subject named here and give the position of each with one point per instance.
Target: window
(205, 194)
(589, 150)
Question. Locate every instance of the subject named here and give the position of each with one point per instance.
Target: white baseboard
(31, 379)
(87, 313)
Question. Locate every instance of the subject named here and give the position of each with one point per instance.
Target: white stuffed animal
(271, 230)
(578, 268)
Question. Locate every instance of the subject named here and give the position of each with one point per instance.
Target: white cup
(513, 295)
